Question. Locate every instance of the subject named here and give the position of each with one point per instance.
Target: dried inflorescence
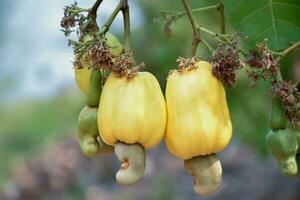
(72, 18)
(125, 66)
(290, 97)
(99, 56)
(122, 65)
(226, 62)
(77, 63)
(186, 64)
(262, 64)
(134, 70)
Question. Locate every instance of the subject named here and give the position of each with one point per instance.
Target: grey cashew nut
(207, 171)
(133, 158)
(89, 139)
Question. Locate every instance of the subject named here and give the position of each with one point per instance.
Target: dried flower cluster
(77, 63)
(186, 64)
(99, 55)
(120, 67)
(72, 18)
(290, 97)
(262, 64)
(226, 62)
(124, 66)
(133, 71)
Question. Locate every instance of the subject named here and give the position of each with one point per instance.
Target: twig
(288, 50)
(182, 13)
(196, 38)
(91, 25)
(285, 53)
(275, 52)
(111, 18)
(207, 45)
(218, 35)
(126, 19)
(222, 17)
(93, 10)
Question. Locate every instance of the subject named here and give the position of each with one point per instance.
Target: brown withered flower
(122, 64)
(226, 61)
(72, 18)
(125, 66)
(99, 56)
(77, 63)
(186, 63)
(134, 70)
(262, 64)
(290, 97)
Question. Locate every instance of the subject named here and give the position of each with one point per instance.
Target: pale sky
(34, 50)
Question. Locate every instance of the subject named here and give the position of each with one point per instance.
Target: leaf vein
(233, 7)
(286, 4)
(261, 33)
(253, 13)
(286, 22)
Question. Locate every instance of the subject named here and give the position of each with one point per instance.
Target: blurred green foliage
(28, 127)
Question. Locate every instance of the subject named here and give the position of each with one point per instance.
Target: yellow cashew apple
(198, 118)
(132, 110)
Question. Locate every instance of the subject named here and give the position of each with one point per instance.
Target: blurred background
(40, 103)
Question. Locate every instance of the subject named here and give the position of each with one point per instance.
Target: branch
(222, 17)
(93, 10)
(182, 13)
(91, 25)
(126, 19)
(214, 34)
(285, 53)
(207, 45)
(196, 39)
(111, 18)
(288, 50)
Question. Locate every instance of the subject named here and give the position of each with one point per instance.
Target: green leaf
(276, 20)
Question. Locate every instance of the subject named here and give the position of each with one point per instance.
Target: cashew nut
(133, 158)
(288, 166)
(207, 171)
(89, 140)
